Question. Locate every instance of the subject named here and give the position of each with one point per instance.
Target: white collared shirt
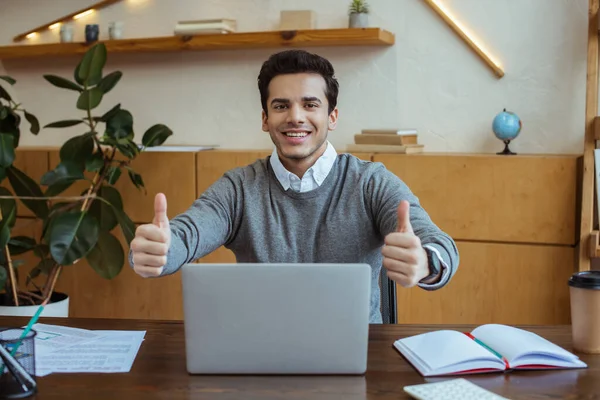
(314, 177)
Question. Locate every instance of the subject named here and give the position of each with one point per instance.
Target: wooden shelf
(244, 40)
(594, 244)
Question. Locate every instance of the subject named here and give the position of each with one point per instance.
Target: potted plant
(73, 227)
(359, 14)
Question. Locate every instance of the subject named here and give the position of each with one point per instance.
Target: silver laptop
(276, 318)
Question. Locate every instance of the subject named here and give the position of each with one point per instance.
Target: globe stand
(506, 151)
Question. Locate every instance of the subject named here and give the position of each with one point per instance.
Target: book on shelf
(383, 148)
(207, 26)
(487, 348)
(389, 131)
(396, 140)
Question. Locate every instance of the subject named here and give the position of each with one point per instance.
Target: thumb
(160, 211)
(404, 217)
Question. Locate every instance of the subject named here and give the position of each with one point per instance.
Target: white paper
(50, 338)
(106, 352)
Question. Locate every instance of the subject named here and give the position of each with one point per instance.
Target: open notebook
(487, 348)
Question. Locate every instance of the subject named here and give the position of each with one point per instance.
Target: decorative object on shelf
(66, 33)
(506, 126)
(291, 20)
(81, 224)
(67, 18)
(205, 27)
(359, 14)
(92, 31)
(115, 30)
(493, 64)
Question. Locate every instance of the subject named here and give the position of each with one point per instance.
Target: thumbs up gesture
(151, 243)
(403, 256)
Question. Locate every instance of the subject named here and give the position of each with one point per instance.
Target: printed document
(72, 350)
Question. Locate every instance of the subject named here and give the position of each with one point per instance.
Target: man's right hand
(151, 243)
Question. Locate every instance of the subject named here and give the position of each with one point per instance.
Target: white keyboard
(454, 389)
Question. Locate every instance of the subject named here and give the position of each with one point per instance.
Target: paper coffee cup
(585, 311)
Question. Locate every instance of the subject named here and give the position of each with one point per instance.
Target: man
(304, 203)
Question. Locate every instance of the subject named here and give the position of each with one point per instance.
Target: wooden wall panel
(172, 173)
(499, 283)
(126, 296)
(34, 162)
(525, 199)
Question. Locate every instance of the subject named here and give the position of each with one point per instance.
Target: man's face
(298, 119)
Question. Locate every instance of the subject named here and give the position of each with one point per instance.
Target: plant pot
(58, 306)
(359, 20)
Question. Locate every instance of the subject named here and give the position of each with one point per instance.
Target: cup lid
(585, 280)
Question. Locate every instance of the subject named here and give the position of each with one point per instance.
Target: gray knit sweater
(342, 221)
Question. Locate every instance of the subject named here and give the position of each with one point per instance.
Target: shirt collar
(320, 169)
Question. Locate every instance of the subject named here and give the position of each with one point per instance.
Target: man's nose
(296, 115)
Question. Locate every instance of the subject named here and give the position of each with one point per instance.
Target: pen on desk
(500, 356)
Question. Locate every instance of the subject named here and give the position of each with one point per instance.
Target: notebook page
(443, 348)
(513, 343)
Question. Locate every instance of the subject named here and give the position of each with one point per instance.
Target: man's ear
(333, 117)
(265, 126)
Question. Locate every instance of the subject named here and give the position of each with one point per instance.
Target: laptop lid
(276, 318)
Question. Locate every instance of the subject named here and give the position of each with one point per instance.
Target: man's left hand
(403, 256)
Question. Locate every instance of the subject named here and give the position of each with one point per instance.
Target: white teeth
(296, 134)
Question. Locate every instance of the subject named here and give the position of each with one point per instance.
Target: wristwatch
(434, 264)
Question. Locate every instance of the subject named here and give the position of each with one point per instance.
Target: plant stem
(56, 273)
(30, 294)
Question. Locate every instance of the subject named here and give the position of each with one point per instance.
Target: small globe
(507, 125)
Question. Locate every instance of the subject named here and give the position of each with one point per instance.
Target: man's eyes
(282, 106)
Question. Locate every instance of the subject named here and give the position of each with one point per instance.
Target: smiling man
(305, 203)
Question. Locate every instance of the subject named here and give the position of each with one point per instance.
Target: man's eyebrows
(287, 101)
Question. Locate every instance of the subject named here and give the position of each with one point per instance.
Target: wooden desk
(159, 372)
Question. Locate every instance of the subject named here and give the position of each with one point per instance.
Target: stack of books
(386, 141)
(205, 27)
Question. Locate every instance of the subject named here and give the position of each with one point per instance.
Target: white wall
(429, 80)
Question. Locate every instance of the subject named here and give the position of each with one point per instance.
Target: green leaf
(65, 171)
(12, 82)
(41, 250)
(2, 174)
(110, 113)
(4, 94)
(21, 244)
(72, 236)
(127, 225)
(58, 188)
(4, 234)
(113, 174)
(3, 277)
(64, 124)
(23, 186)
(120, 125)
(128, 148)
(8, 207)
(105, 212)
(109, 81)
(94, 162)
(7, 150)
(3, 112)
(89, 99)
(107, 257)
(156, 135)
(63, 83)
(33, 121)
(92, 63)
(78, 149)
(136, 178)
